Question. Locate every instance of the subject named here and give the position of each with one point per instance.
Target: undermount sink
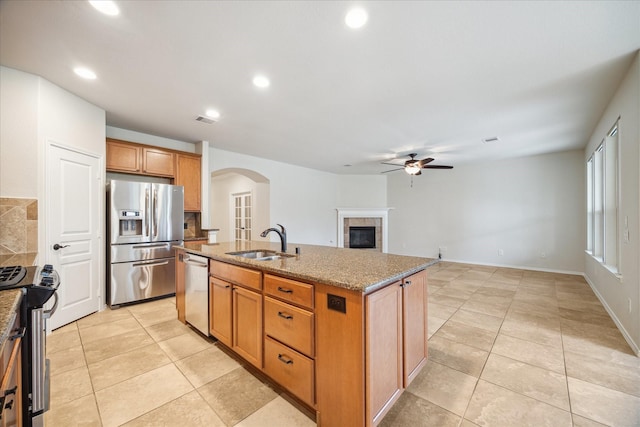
(260, 255)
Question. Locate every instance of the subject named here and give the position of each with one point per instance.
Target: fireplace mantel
(382, 213)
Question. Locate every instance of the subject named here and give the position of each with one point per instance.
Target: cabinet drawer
(234, 274)
(289, 290)
(290, 369)
(290, 325)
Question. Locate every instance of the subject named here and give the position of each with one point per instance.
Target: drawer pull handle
(285, 360)
(285, 290)
(285, 315)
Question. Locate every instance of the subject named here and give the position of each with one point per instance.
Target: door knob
(57, 246)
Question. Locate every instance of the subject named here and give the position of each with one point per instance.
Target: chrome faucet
(282, 234)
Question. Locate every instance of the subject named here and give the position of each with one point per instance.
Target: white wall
(302, 199)
(617, 294)
(156, 141)
(221, 212)
(362, 191)
(524, 207)
(18, 133)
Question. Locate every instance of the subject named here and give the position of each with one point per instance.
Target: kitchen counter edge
(320, 269)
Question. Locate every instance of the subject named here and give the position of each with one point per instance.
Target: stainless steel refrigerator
(144, 223)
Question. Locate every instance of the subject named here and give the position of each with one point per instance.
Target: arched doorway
(240, 204)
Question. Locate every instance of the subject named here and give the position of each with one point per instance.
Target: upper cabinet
(157, 162)
(123, 156)
(188, 175)
(182, 168)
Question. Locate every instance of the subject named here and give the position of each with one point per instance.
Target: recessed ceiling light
(85, 73)
(107, 7)
(356, 18)
(261, 81)
(213, 114)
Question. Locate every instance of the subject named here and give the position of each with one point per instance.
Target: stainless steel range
(39, 284)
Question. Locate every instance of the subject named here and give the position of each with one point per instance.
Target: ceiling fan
(414, 166)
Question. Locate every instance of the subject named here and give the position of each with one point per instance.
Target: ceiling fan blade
(423, 162)
(392, 170)
(437, 167)
(391, 164)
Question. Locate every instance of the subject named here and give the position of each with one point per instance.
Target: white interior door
(242, 215)
(74, 202)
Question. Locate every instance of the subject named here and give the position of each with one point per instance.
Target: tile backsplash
(18, 226)
(192, 219)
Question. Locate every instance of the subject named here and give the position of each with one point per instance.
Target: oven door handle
(48, 313)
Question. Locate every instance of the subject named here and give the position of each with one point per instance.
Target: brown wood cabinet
(11, 381)
(384, 341)
(128, 157)
(188, 175)
(157, 162)
(180, 288)
(368, 353)
(220, 313)
(247, 325)
(123, 156)
(345, 354)
(241, 302)
(414, 325)
(139, 159)
(292, 370)
(290, 336)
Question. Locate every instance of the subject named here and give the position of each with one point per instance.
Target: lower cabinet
(292, 370)
(384, 341)
(247, 325)
(368, 349)
(11, 377)
(346, 354)
(235, 312)
(396, 342)
(220, 312)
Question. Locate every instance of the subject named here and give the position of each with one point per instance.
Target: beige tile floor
(507, 348)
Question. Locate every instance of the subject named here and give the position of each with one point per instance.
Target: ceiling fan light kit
(414, 166)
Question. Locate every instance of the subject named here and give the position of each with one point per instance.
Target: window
(602, 201)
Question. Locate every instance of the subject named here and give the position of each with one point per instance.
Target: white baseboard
(625, 334)
(519, 267)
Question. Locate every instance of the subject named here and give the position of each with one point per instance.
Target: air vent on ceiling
(205, 119)
(490, 139)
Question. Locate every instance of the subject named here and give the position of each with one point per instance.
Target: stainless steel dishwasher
(196, 295)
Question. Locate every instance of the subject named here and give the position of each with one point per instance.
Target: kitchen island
(344, 331)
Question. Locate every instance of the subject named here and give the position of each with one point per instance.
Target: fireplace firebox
(362, 237)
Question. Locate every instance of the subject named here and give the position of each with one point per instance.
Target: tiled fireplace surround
(364, 222)
(363, 218)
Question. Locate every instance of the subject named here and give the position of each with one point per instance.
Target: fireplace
(362, 237)
(363, 220)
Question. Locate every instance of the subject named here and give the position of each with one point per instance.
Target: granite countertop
(354, 269)
(191, 239)
(9, 303)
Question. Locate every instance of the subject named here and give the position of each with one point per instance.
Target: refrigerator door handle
(151, 246)
(147, 217)
(155, 213)
(150, 263)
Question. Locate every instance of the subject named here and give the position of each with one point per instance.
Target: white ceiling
(430, 77)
